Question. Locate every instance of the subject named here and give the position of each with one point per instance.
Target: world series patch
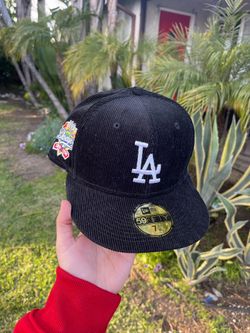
(153, 220)
(66, 139)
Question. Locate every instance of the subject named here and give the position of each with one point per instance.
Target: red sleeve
(73, 305)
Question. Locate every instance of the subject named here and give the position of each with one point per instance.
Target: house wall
(196, 8)
(245, 30)
(135, 7)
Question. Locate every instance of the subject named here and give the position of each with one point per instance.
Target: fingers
(64, 233)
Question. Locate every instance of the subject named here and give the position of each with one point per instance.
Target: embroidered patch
(66, 138)
(144, 170)
(153, 220)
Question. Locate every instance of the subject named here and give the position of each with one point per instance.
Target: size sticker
(153, 220)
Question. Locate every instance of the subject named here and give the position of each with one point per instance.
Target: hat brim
(107, 219)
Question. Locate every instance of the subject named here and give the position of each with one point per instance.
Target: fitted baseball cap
(126, 154)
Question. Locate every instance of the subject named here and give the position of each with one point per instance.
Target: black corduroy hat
(126, 154)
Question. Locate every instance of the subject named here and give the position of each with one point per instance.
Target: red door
(169, 19)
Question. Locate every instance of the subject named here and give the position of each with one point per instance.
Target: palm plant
(100, 55)
(56, 31)
(214, 73)
(28, 61)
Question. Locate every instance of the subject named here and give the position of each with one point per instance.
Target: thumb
(64, 233)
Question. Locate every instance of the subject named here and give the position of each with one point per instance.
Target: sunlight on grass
(27, 238)
(27, 253)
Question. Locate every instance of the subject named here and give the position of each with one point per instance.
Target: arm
(74, 305)
(85, 294)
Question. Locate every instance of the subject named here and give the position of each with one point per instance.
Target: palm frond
(26, 36)
(96, 57)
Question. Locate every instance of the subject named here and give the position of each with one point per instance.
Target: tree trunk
(64, 82)
(23, 9)
(5, 13)
(7, 20)
(96, 8)
(60, 109)
(26, 73)
(26, 86)
(78, 4)
(27, 8)
(112, 15)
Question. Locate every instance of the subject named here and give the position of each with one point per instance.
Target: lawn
(28, 210)
(152, 301)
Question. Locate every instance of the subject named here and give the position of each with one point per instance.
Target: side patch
(153, 220)
(66, 139)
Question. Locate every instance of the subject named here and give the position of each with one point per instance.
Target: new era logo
(148, 169)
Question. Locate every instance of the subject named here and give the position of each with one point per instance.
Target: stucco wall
(196, 8)
(135, 7)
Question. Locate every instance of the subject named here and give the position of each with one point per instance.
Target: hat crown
(126, 153)
(132, 142)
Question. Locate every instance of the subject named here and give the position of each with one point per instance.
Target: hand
(86, 260)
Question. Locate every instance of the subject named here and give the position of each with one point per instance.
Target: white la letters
(142, 171)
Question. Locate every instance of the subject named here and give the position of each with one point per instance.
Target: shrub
(44, 136)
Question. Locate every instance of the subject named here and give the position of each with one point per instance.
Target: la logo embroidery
(145, 171)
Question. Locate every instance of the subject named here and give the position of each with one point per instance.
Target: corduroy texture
(107, 219)
(101, 185)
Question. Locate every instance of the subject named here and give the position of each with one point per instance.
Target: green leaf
(247, 251)
(181, 262)
(206, 266)
(232, 235)
(191, 267)
(240, 141)
(213, 253)
(242, 200)
(241, 184)
(204, 277)
(229, 145)
(229, 253)
(245, 192)
(215, 183)
(230, 211)
(199, 153)
(211, 147)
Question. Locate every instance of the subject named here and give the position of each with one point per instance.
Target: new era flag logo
(148, 169)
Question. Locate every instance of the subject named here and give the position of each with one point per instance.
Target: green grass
(28, 260)
(5, 107)
(27, 245)
(27, 257)
(27, 253)
(27, 238)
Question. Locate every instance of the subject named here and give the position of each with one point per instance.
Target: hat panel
(106, 146)
(174, 135)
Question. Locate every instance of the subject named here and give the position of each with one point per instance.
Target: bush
(43, 137)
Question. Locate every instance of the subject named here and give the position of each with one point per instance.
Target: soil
(235, 303)
(234, 306)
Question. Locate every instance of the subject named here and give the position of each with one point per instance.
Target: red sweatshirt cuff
(74, 305)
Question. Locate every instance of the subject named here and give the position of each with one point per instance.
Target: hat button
(137, 90)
